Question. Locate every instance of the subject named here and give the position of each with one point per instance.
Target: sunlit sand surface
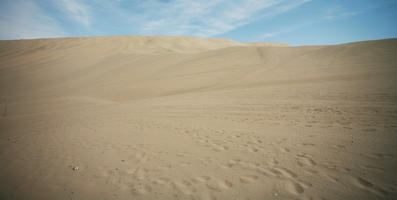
(190, 118)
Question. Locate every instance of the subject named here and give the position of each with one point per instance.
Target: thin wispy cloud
(206, 18)
(203, 18)
(284, 7)
(246, 20)
(336, 12)
(24, 19)
(77, 10)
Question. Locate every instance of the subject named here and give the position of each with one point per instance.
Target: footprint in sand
(310, 171)
(249, 165)
(184, 164)
(202, 178)
(275, 172)
(372, 168)
(285, 149)
(164, 167)
(308, 144)
(305, 160)
(140, 188)
(282, 140)
(365, 184)
(287, 173)
(253, 149)
(225, 184)
(139, 157)
(184, 187)
(262, 171)
(213, 186)
(140, 173)
(219, 148)
(380, 156)
(161, 181)
(206, 160)
(294, 188)
(232, 163)
(248, 178)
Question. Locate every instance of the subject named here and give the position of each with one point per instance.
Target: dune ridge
(160, 117)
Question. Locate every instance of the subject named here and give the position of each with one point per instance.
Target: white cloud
(24, 19)
(332, 13)
(203, 18)
(76, 10)
(152, 25)
(206, 18)
(283, 7)
(269, 35)
(338, 12)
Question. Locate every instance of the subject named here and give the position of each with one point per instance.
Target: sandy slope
(190, 118)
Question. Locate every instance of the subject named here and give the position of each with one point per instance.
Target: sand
(189, 118)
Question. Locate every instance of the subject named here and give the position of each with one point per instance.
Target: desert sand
(155, 117)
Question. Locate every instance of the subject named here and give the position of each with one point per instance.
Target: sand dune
(156, 117)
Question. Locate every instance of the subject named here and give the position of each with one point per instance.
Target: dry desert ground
(156, 117)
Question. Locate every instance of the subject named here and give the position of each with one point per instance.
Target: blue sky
(296, 22)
